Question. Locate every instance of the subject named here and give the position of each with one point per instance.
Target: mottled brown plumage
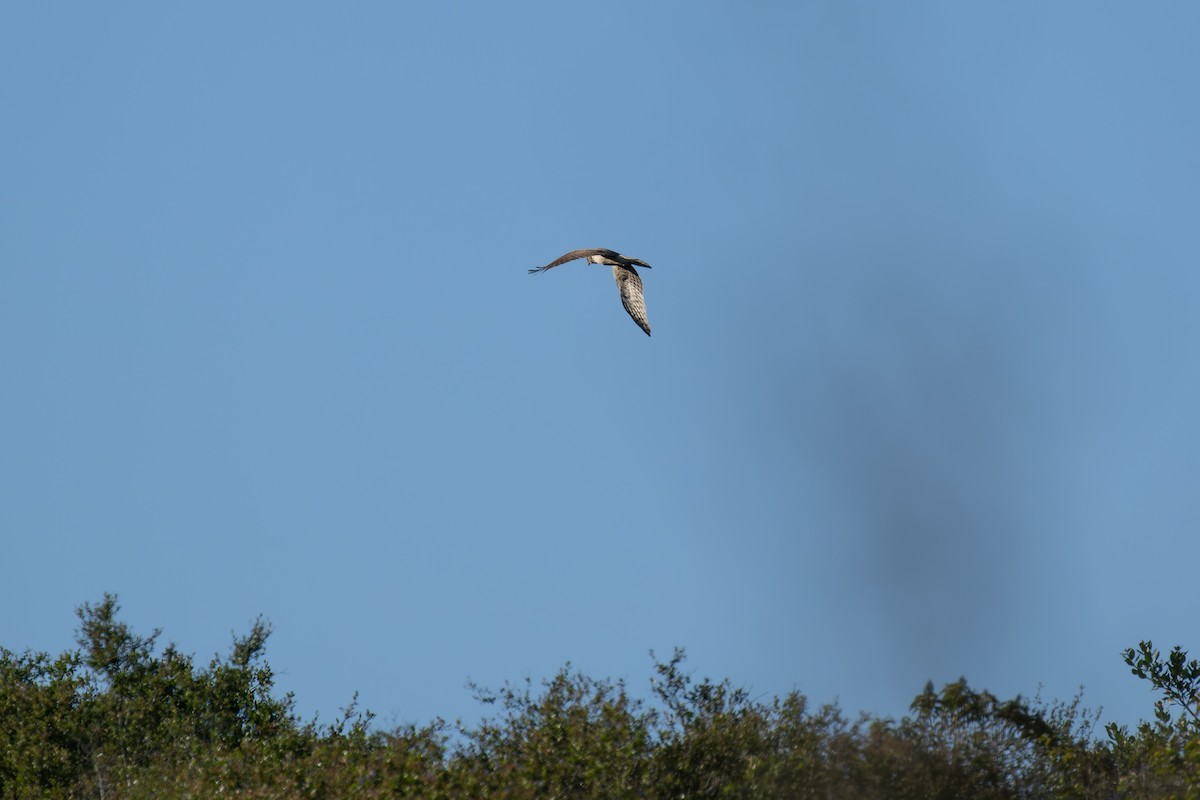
(596, 255)
(628, 281)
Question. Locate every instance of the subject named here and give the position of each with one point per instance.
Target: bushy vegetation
(115, 719)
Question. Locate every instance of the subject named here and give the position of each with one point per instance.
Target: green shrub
(119, 720)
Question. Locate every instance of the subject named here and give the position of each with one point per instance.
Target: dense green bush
(115, 719)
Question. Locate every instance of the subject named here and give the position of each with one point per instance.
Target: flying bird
(628, 281)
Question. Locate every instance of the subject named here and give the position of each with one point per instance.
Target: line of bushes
(119, 719)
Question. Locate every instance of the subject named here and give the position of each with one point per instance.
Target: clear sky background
(921, 399)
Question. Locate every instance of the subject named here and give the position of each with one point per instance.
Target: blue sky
(920, 400)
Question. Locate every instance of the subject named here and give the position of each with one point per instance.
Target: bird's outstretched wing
(574, 254)
(630, 284)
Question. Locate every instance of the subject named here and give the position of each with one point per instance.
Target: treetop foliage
(118, 718)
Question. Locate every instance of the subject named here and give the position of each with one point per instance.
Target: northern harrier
(626, 276)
